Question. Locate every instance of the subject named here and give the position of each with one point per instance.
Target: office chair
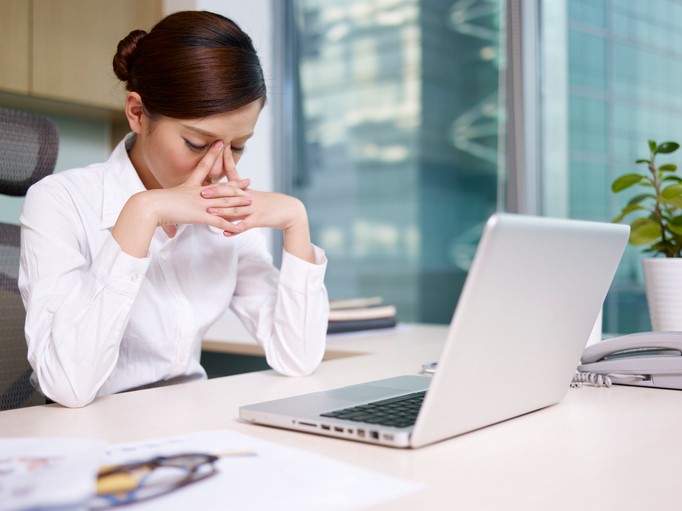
(28, 152)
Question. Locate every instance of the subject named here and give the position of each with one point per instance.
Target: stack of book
(360, 314)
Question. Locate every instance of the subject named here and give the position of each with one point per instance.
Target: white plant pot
(663, 280)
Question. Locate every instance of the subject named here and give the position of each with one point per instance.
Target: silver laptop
(529, 303)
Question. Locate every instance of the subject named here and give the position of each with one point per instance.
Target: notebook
(531, 298)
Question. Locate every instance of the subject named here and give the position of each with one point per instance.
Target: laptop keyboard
(398, 412)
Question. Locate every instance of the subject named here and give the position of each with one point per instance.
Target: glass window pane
(622, 91)
(399, 130)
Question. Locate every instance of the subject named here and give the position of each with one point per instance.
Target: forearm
(135, 226)
(297, 237)
(297, 242)
(75, 354)
(289, 321)
(76, 318)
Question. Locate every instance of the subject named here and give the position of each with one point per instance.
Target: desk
(599, 449)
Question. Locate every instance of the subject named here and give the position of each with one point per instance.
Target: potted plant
(657, 226)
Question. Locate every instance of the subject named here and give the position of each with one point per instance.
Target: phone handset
(647, 359)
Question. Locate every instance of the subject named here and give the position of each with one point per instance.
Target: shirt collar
(120, 182)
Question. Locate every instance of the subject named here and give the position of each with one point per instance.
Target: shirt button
(164, 255)
(314, 281)
(135, 277)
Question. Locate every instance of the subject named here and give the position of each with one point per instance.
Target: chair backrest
(28, 152)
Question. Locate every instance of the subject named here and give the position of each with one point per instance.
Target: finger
(170, 230)
(203, 169)
(217, 171)
(238, 209)
(227, 226)
(230, 166)
(222, 193)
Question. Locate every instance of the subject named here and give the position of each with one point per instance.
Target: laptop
(531, 298)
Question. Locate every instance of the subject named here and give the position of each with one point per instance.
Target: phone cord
(597, 380)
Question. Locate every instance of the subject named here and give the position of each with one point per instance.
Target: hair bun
(125, 54)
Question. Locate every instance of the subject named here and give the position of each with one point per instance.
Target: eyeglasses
(133, 482)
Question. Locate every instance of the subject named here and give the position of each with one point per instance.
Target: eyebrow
(208, 133)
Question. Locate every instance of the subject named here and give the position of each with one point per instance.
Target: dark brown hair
(192, 64)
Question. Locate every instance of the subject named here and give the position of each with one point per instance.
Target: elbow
(64, 392)
(294, 367)
(288, 363)
(73, 401)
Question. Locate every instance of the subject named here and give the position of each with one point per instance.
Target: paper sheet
(274, 477)
(43, 473)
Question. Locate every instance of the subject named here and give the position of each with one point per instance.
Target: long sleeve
(77, 309)
(100, 321)
(285, 311)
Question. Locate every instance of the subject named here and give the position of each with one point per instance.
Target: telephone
(646, 359)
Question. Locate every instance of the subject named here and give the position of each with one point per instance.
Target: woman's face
(167, 150)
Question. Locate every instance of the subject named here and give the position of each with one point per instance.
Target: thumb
(170, 230)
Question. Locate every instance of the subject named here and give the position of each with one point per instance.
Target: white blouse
(100, 321)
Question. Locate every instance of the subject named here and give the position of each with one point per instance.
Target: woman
(127, 263)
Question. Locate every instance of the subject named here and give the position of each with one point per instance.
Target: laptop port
(325, 427)
(307, 424)
(374, 435)
(361, 433)
(338, 429)
(389, 437)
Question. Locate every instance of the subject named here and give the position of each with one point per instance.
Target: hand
(183, 204)
(273, 210)
(267, 209)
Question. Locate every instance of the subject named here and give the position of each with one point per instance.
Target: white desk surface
(599, 449)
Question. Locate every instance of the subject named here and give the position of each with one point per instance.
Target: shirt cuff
(302, 276)
(119, 271)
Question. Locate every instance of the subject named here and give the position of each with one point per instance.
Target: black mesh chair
(28, 152)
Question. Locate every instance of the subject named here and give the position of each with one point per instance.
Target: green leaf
(639, 198)
(672, 192)
(677, 179)
(643, 161)
(668, 166)
(626, 210)
(667, 147)
(652, 146)
(625, 181)
(675, 203)
(661, 247)
(675, 225)
(644, 231)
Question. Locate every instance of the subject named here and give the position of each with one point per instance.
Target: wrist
(298, 219)
(135, 225)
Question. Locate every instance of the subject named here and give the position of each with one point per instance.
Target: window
(396, 109)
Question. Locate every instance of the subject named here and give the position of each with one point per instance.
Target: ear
(134, 112)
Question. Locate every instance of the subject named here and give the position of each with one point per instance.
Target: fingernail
(218, 143)
(246, 181)
(207, 193)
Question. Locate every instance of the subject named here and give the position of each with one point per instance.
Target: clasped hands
(228, 205)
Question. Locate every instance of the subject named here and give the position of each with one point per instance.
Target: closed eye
(196, 148)
(238, 150)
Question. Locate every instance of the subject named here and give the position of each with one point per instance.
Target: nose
(218, 169)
